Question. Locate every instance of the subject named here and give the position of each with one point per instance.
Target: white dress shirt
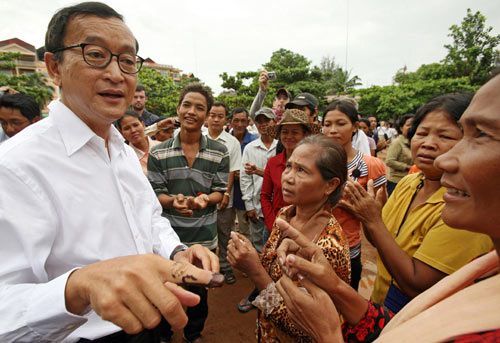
(3, 136)
(234, 149)
(257, 153)
(67, 202)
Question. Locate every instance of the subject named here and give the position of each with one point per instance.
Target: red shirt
(271, 197)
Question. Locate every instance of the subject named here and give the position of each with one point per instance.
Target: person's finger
(142, 308)
(304, 266)
(287, 246)
(239, 240)
(292, 233)
(186, 273)
(370, 188)
(168, 305)
(186, 298)
(209, 261)
(122, 317)
(315, 291)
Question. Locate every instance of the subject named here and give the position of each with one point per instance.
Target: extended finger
(186, 273)
(304, 266)
(186, 298)
(239, 240)
(142, 308)
(287, 246)
(121, 316)
(292, 233)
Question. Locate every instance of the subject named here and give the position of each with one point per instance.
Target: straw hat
(294, 116)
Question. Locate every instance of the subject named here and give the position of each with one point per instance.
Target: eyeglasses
(100, 57)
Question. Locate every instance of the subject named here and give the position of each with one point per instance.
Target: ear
(53, 66)
(331, 186)
(35, 119)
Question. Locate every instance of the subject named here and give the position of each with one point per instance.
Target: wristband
(179, 248)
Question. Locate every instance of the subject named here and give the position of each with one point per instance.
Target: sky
(372, 39)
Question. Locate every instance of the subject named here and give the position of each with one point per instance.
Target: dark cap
(265, 111)
(303, 99)
(283, 91)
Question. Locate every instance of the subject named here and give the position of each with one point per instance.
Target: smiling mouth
(458, 192)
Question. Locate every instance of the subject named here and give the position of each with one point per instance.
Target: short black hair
(25, 103)
(454, 104)
(401, 122)
(344, 106)
(239, 110)
(366, 121)
(128, 113)
(140, 88)
(54, 38)
(197, 87)
(221, 104)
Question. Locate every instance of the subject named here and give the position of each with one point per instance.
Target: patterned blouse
(277, 326)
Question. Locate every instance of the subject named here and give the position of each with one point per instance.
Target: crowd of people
(117, 221)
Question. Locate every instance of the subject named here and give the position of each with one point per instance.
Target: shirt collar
(74, 132)
(177, 142)
(435, 198)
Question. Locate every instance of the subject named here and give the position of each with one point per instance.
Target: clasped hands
(185, 205)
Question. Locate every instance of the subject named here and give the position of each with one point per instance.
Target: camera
(271, 75)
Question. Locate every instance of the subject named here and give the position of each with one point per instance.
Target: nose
(113, 71)
(448, 162)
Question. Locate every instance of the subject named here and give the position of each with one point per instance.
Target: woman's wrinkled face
(471, 169)
(301, 181)
(435, 135)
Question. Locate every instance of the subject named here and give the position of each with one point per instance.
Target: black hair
(128, 113)
(401, 122)
(239, 110)
(25, 103)
(454, 104)
(140, 88)
(331, 162)
(221, 104)
(54, 38)
(197, 88)
(343, 106)
(366, 121)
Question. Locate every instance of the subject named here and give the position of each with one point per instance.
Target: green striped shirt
(169, 173)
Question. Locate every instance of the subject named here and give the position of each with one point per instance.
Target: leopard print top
(278, 327)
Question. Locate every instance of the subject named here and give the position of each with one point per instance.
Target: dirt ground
(226, 324)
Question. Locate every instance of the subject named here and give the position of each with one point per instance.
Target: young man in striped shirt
(189, 174)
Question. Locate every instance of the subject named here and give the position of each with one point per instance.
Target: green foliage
(395, 100)
(294, 72)
(163, 93)
(473, 52)
(33, 84)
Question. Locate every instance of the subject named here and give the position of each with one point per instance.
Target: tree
(34, 84)
(163, 93)
(473, 51)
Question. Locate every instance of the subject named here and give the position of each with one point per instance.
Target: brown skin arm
(412, 276)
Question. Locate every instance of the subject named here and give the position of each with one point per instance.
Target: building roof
(18, 42)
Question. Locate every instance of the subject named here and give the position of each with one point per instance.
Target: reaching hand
(300, 257)
(313, 311)
(200, 257)
(134, 292)
(263, 80)
(364, 205)
(241, 254)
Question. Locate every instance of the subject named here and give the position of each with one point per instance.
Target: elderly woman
(461, 307)
(132, 129)
(312, 183)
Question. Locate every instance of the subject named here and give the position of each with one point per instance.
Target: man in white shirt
(254, 160)
(84, 248)
(226, 214)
